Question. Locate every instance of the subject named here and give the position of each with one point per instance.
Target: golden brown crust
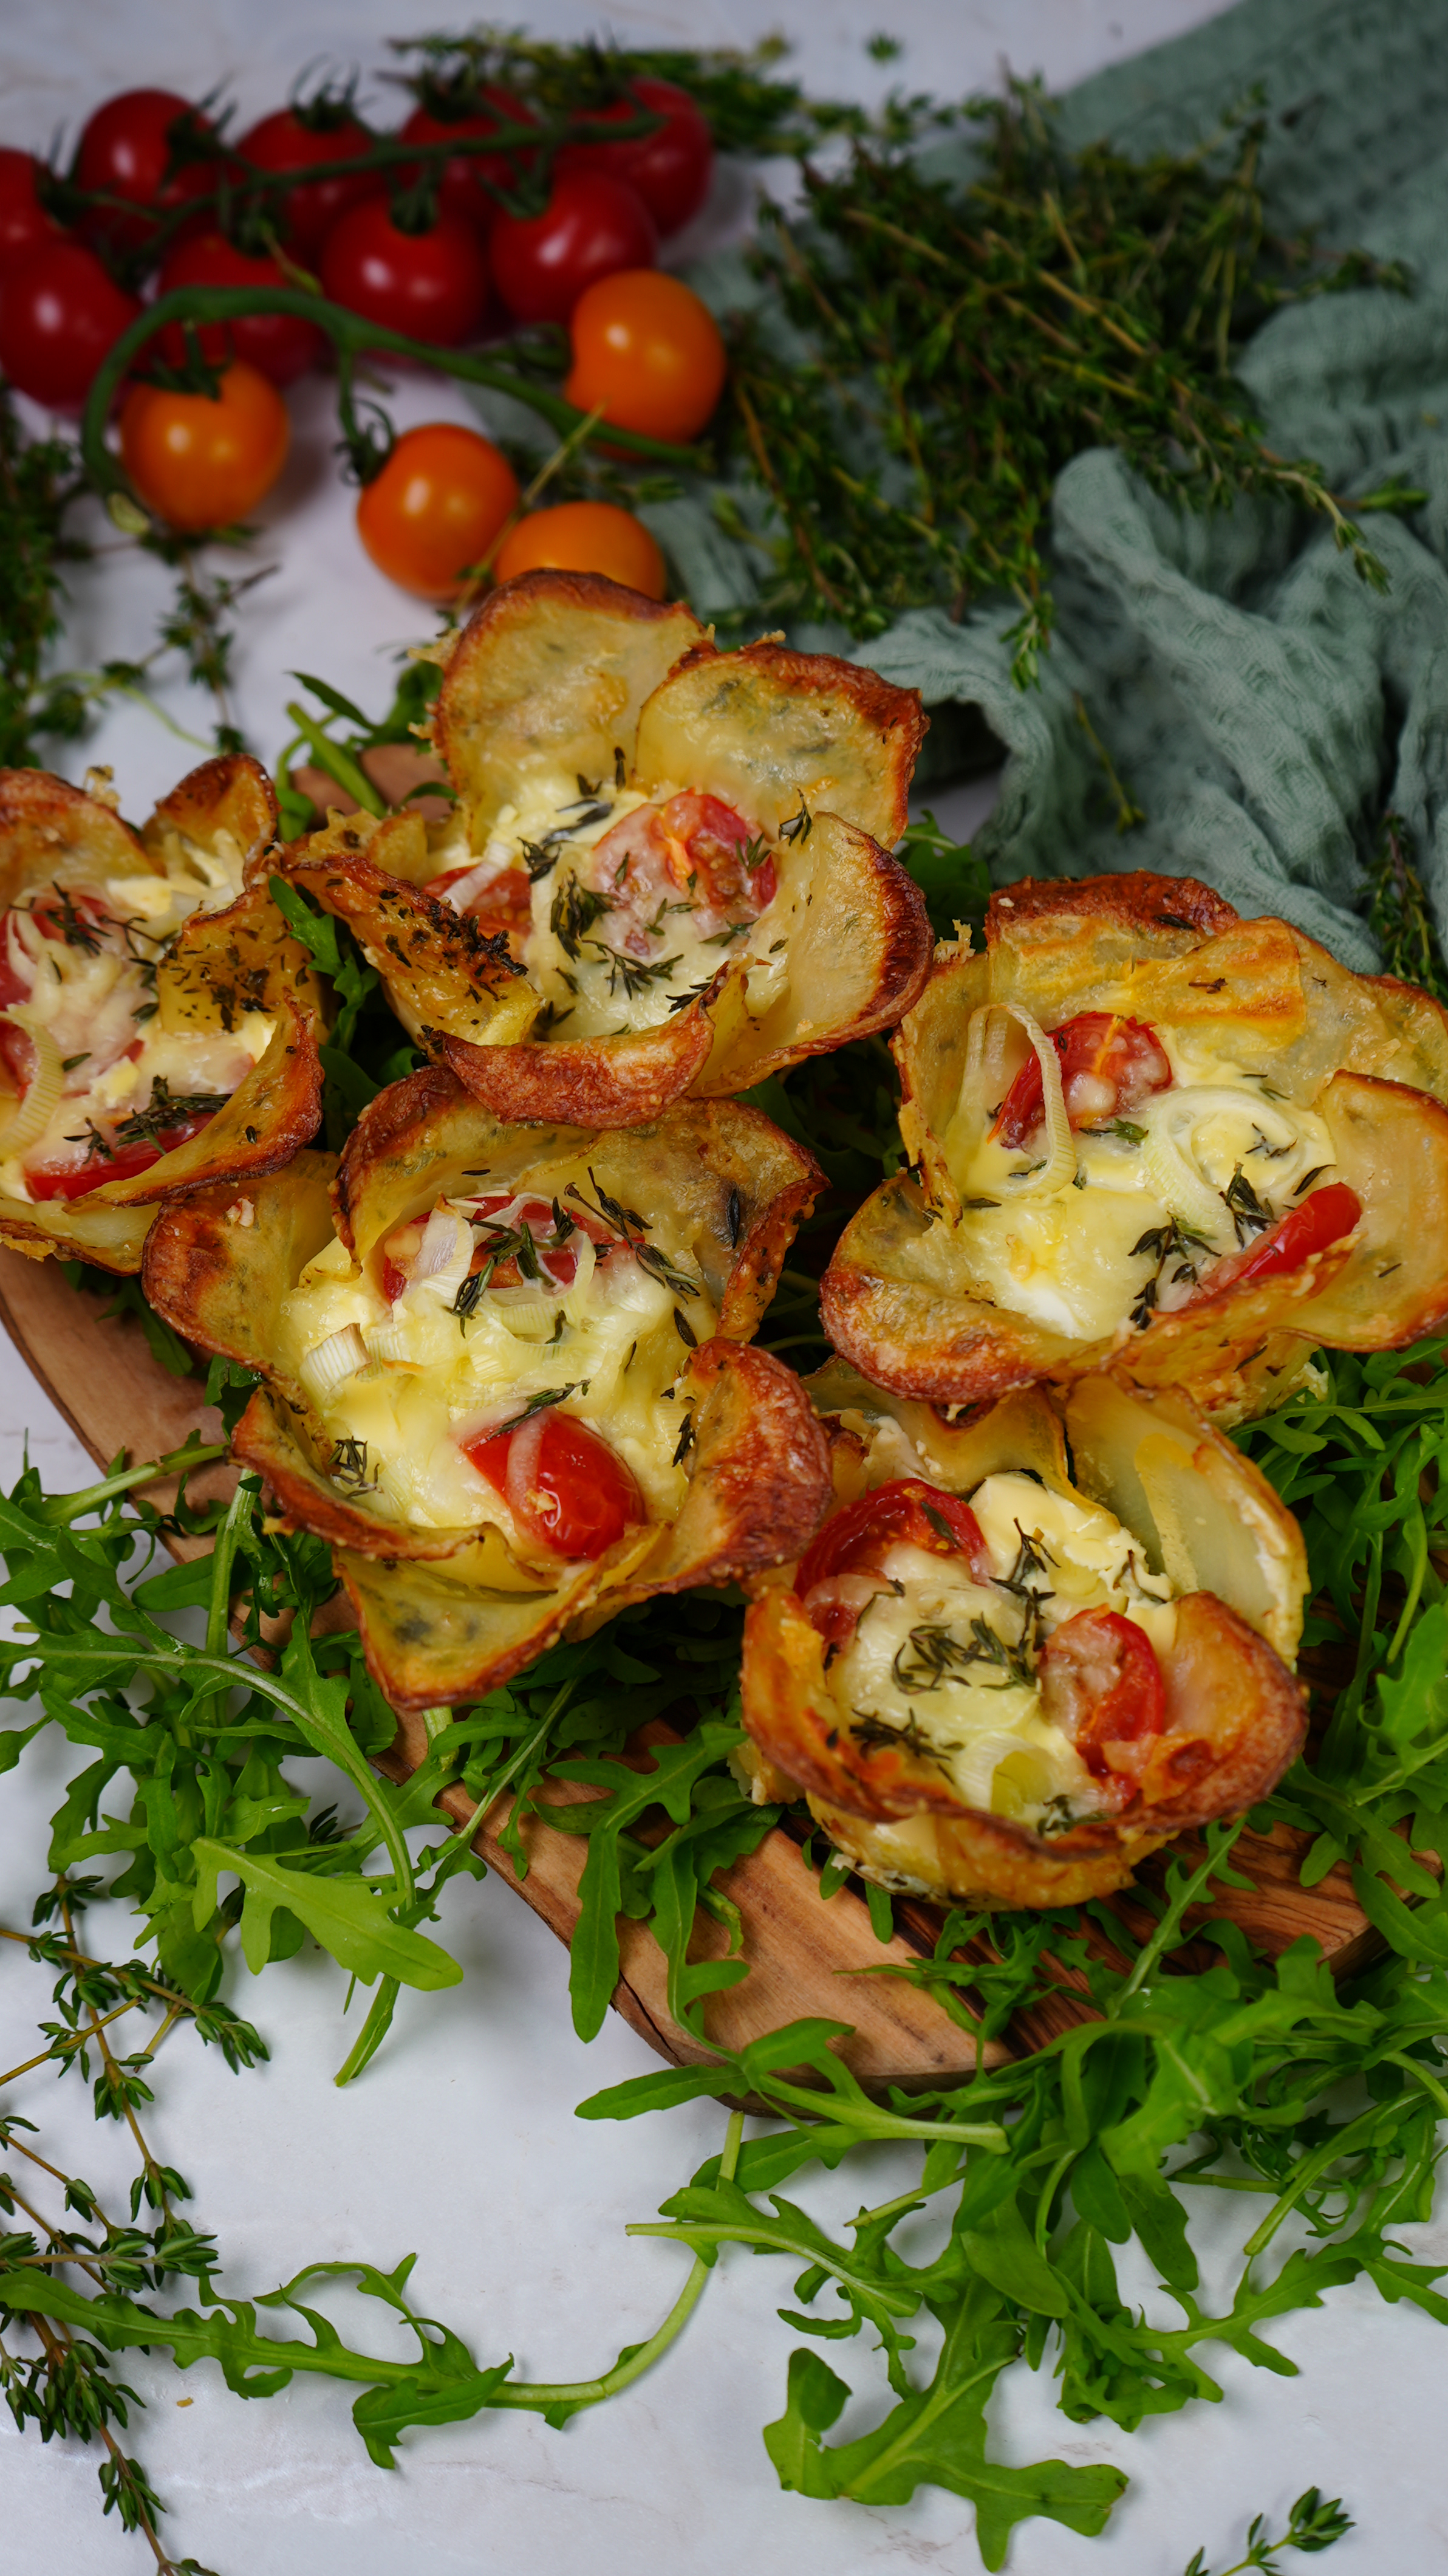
(592, 1082)
(979, 1860)
(900, 1297)
(271, 1114)
(440, 967)
(231, 793)
(222, 964)
(110, 1238)
(218, 1269)
(49, 829)
(776, 726)
(549, 674)
(745, 1186)
(435, 1635)
(1235, 1721)
(1173, 913)
(219, 1263)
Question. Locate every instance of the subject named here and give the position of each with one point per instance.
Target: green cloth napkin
(1258, 702)
(1259, 705)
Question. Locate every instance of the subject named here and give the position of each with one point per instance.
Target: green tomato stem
(353, 337)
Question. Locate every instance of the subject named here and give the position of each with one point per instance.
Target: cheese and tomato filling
(96, 1090)
(1125, 1173)
(621, 906)
(509, 1356)
(1011, 1641)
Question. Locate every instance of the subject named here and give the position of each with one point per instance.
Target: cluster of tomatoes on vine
(424, 232)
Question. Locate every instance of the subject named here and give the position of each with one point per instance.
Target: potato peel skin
(1235, 1716)
(446, 1614)
(898, 1298)
(50, 831)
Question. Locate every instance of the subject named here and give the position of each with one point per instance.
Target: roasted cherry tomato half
(142, 148)
(1108, 1064)
(23, 219)
(432, 285)
(75, 1180)
(670, 168)
(433, 512)
(647, 354)
(296, 139)
(464, 188)
(201, 461)
(693, 847)
(591, 226)
(1310, 1227)
(60, 314)
(566, 1489)
(1101, 1684)
(500, 903)
(585, 536)
(858, 1539)
(280, 344)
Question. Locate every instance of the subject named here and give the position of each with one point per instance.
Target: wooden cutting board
(806, 1955)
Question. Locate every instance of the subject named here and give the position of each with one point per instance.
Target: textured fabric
(1257, 702)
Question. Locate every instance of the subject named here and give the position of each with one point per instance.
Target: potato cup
(158, 1022)
(1152, 1136)
(1005, 1670)
(681, 849)
(510, 1402)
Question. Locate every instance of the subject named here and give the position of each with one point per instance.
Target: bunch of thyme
(951, 348)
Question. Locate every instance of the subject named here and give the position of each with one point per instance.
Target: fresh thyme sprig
(961, 345)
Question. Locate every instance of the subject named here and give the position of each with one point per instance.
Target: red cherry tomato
(433, 285)
(74, 1180)
(1108, 1064)
(1323, 1218)
(464, 188)
(281, 345)
(670, 168)
(1101, 1684)
(127, 150)
(693, 848)
(585, 536)
(566, 1489)
(591, 226)
(435, 508)
(201, 461)
(503, 903)
(59, 315)
(289, 140)
(647, 354)
(23, 219)
(858, 1539)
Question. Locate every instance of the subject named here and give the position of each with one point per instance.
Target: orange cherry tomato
(432, 513)
(585, 536)
(647, 353)
(204, 462)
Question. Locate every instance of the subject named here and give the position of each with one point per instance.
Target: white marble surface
(460, 2141)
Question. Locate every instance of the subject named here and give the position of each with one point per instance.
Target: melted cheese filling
(950, 1663)
(1149, 1208)
(399, 1387)
(92, 994)
(592, 985)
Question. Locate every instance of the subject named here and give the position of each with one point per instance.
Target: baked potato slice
(509, 1402)
(1151, 1136)
(158, 1030)
(696, 886)
(547, 680)
(1010, 1704)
